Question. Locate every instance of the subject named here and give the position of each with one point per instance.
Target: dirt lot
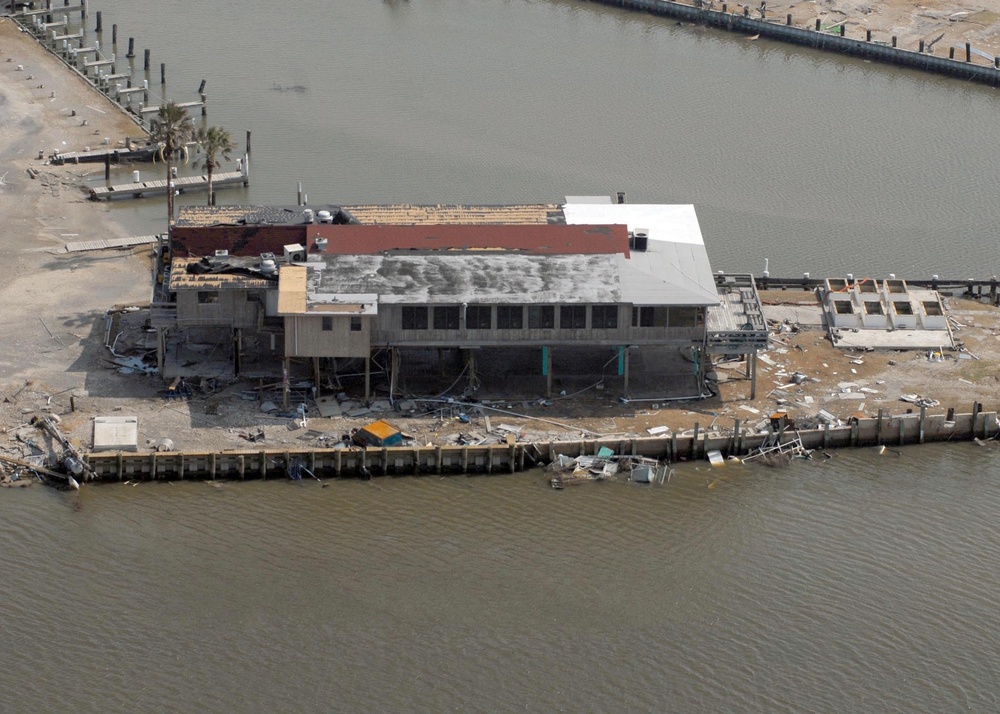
(946, 23)
(54, 302)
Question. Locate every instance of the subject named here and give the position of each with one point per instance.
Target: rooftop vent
(325, 217)
(308, 215)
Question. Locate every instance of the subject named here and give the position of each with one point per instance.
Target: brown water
(817, 162)
(859, 583)
(862, 583)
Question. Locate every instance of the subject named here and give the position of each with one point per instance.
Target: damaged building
(494, 300)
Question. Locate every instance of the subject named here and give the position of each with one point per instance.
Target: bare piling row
(104, 67)
(882, 430)
(738, 17)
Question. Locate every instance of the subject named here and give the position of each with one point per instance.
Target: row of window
(542, 317)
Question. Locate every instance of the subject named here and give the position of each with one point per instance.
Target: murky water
(817, 162)
(862, 583)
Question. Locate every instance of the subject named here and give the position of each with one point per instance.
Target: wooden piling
(114, 34)
(98, 27)
(968, 51)
(131, 48)
(145, 60)
(163, 72)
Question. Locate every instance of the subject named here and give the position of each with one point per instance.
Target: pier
(882, 430)
(97, 67)
(181, 185)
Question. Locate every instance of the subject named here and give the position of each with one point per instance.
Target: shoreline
(845, 34)
(56, 362)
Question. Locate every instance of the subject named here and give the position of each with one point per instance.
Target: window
(642, 317)
(355, 324)
(478, 317)
(208, 297)
(446, 317)
(573, 317)
(510, 317)
(327, 324)
(541, 317)
(604, 317)
(414, 318)
(685, 317)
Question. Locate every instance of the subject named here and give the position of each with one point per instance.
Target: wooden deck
(182, 184)
(106, 243)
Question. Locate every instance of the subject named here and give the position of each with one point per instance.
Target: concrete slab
(116, 433)
(893, 339)
(328, 407)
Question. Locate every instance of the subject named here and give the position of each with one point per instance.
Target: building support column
(237, 349)
(470, 361)
(752, 369)
(623, 368)
(161, 348)
(547, 369)
(316, 375)
(286, 381)
(368, 377)
(393, 370)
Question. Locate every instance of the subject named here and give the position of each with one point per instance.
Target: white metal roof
(674, 268)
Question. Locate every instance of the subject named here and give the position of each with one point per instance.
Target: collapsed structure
(518, 299)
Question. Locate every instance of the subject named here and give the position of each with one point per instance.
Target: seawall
(735, 18)
(889, 430)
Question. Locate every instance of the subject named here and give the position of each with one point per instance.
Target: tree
(173, 128)
(217, 144)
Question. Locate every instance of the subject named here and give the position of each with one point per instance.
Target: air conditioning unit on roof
(295, 253)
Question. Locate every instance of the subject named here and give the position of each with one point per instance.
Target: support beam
(752, 367)
(285, 381)
(471, 362)
(368, 377)
(393, 370)
(547, 369)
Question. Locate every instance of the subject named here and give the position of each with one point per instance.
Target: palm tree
(217, 143)
(171, 127)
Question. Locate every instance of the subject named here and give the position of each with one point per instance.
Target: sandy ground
(946, 23)
(53, 305)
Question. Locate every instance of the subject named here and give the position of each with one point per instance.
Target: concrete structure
(116, 433)
(884, 314)
(535, 294)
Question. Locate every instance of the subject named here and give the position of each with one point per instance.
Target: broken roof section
(537, 239)
(229, 272)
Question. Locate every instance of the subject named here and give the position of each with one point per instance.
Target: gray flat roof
(475, 277)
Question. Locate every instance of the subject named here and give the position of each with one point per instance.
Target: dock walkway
(181, 185)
